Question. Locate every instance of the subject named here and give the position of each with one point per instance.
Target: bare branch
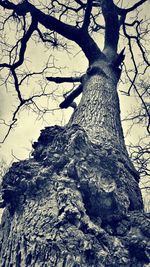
(8, 5)
(122, 11)
(13, 122)
(17, 85)
(48, 21)
(87, 15)
(69, 99)
(24, 41)
(64, 79)
(140, 155)
(111, 25)
(87, 44)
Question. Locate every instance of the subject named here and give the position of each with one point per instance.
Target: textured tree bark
(99, 115)
(76, 201)
(99, 112)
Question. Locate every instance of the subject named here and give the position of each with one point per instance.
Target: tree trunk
(99, 115)
(76, 201)
(99, 112)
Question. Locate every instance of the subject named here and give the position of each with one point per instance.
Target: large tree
(76, 201)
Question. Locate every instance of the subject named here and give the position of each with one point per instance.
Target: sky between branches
(29, 124)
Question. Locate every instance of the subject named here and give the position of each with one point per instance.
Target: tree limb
(13, 122)
(120, 58)
(48, 21)
(86, 43)
(7, 4)
(64, 79)
(88, 10)
(111, 25)
(17, 85)
(24, 41)
(122, 11)
(69, 99)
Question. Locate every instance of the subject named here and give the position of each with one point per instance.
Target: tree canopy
(76, 201)
(98, 28)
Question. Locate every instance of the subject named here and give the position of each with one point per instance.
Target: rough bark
(99, 112)
(76, 201)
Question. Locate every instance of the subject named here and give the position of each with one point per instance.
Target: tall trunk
(69, 204)
(99, 112)
(99, 115)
